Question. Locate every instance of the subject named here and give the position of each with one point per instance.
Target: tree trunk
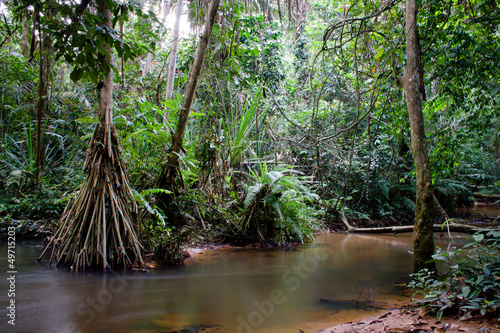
(168, 175)
(173, 56)
(423, 238)
(97, 226)
(43, 98)
(105, 87)
(166, 11)
(36, 21)
(486, 196)
(25, 40)
(451, 226)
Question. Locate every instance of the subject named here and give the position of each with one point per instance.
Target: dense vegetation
(468, 284)
(297, 119)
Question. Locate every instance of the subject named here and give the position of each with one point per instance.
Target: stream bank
(412, 320)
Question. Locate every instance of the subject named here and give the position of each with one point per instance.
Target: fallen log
(448, 227)
(487, 196)
(455, 227)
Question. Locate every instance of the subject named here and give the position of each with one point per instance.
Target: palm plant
(240, 132)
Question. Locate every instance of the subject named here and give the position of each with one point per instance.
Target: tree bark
(25, 47)
(43, 98)
(169, 173)
(423, 241)
(36, 21)
(453, 227)
(486, 196)
(105, 86)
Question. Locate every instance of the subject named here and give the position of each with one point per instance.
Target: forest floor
(413, 320)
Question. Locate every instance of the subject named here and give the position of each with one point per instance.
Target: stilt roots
(96, 229)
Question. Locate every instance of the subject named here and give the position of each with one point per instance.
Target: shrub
(470, 283)
(278, 207)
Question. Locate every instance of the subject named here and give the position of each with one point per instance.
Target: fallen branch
(451, 226)
(487, 196)
(440, 208)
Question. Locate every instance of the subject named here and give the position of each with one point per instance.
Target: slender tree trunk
(25, 40)
(170, 169)
(36, 21)
(423, 236)
(105, 87)
(166, 11)
(173, 56)
(43, 99)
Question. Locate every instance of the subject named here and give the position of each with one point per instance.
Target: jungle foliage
(297, 116)
(469, 280)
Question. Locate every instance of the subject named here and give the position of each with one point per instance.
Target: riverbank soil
(411, 320)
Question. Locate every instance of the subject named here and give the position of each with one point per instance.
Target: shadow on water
(337, 278)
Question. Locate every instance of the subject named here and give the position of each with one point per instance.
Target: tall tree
(412, 83)
(170, 169)
(173, 54)
(97, 227)
(25, 35)
(45, 50)
(364, 44)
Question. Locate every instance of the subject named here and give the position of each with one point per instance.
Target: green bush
(278, 207)
(470, 283)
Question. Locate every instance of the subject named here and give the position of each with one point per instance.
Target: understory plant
(278, 206)
(22, 194)
(469, 283)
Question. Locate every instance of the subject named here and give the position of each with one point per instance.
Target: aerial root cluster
(97, 226)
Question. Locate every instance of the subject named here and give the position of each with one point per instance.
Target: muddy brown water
(336, 279)
(478, 211)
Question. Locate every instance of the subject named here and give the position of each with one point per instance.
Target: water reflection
(478, 211)
(335, 279)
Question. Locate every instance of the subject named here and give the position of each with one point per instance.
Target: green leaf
(439, 315)
(68, 58)
(76, 74)
(466, 291)
(478, 237)
(90, 59)
(102, 50)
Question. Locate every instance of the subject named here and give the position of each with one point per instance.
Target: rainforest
(189, 149)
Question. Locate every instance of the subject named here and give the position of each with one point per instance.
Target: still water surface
(333, 280)
(478, 211)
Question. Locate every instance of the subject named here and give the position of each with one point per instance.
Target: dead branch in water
(450, 226)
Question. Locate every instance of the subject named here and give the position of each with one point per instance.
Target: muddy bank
(410, 320)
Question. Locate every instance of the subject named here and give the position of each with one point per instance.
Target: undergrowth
(470, 282)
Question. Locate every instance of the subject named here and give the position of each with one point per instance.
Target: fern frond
(254, 192)
(141, 200)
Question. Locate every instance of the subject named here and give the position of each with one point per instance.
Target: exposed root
(96, 229)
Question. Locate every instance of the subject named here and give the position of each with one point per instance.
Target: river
(337, 278)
